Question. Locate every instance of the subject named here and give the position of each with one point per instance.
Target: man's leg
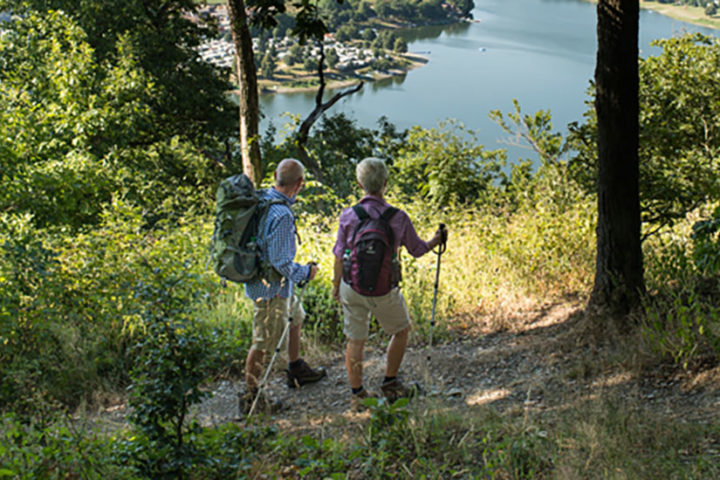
(354, 362)
(396, 352)
(299, 372)
(253, 368)
(294, 342)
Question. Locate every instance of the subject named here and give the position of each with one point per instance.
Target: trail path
(538, 367)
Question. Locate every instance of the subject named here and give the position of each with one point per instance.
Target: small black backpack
(370, 266)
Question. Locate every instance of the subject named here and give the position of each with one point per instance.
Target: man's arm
(281, 251)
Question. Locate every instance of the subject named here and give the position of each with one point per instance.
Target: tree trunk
(619, 264)
(248, 91)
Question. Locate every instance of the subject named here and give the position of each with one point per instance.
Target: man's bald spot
(288, 172)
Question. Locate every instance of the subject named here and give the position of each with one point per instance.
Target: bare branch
(320, 108)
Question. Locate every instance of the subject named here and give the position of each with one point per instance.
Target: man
(275, 301)
(389, 309)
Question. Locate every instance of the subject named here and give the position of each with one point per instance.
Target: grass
(607, 437)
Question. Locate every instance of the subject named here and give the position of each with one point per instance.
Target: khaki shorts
(389, 310)
(270, 318)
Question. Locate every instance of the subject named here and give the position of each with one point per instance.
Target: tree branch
(320, 108)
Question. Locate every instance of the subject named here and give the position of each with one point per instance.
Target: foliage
(188, 98)
(67, 329)
(679, 131)
(682, 316)
(172, 361)
(385, 432)
(86, 130)
(338, 144)
(56, 449)
(706, 244)
(317, 458)
(430, 11)
(684, 325)
(445, 166)
(231, 451)
(535, 130)
(268, 64)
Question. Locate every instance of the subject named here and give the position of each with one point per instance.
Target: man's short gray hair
(372, 174)
(288, 172)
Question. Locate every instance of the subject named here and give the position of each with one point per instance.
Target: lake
(540, 52)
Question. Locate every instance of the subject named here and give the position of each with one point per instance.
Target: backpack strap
(360, 212)
(389, 213)
(385, 216)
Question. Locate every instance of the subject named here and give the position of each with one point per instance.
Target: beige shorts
(389, 310)
(270, 318)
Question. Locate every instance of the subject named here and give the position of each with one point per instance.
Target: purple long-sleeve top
(402, 227)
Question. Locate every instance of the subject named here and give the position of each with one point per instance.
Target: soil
(548, 361)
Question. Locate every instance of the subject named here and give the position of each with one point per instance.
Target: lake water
(540, 52)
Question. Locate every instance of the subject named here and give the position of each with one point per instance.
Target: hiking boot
(395, 389)
(357, 400)
(265, 404)
(302, 374)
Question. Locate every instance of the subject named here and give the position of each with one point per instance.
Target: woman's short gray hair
(372, 174)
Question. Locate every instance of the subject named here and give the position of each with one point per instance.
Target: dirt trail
(539, 366)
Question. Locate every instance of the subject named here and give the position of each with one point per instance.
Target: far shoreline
(416, 61)
(683, 13)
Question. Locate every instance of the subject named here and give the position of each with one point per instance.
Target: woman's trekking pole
(441, 249)
(302, 286)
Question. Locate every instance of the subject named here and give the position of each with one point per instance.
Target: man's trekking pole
(302, 286)
(441, 249)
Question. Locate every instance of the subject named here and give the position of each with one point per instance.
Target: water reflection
(433, 31)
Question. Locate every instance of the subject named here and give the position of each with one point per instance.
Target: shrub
(74, 308)
(56, 449)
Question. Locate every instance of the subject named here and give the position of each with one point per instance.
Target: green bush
(682, 313)
(706, 244)
(172, 362)
(73, 309)
(56, 450)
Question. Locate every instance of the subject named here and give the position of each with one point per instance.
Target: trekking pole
(302, 286)
(441, 249)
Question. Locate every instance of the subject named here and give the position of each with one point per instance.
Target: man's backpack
(240, 212)
(369, 264)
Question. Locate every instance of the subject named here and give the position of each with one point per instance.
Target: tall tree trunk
(619, 264)
(248, 91)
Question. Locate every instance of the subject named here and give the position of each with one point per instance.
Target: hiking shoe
(357, 400)
(302, 374)
(395, 389)
(265, 404)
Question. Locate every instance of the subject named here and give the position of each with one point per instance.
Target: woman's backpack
(370, 266)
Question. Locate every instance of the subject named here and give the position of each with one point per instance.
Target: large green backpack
(240, 212)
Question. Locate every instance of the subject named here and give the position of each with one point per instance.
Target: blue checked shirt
(278, 246)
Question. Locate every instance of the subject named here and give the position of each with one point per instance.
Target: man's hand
(313, 270)
(336, 292)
